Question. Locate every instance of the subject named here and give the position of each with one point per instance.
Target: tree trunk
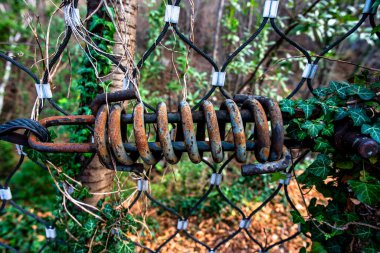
(96, 176)
(126, 19)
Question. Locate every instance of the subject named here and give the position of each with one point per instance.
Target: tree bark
(96, 176)
(125, 46)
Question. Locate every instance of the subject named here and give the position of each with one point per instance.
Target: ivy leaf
(361, 91)
(329, 130)
(321, 92)
(307, 109)
(365, 192)
(321, 166)
(322, 145)
(287, 105)
(340, 88)
(359, 116)
(340, 114)
(313, 129)
(373, 131)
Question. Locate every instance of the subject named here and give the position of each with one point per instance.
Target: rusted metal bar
(268, 167)
(348, 139)
(63, 147)
(105, 98)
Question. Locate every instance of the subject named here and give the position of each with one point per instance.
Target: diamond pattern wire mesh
(270, 12)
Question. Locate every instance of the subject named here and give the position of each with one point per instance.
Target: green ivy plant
(348, 222)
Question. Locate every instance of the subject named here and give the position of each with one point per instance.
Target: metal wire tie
(182, 224)
(212, 251)
(286, 181)
(218, 79)
(20, 150)
(172, 14)
(142, 185)
(299, 227)
(5, 194)
(51, 233)
(260, 251)
(244, 223)
(310, 71)
(271, 9)
(368, 8)
(43, 90)
(216, 179)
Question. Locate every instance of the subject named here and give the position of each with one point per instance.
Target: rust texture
(115, 135)
(140, 135)
(115, 152)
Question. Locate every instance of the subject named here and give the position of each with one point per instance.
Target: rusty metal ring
(188, 132)
(140, 135)
(164, 134)
(277, 127)
(115, 136)
(237, 129)
(269, 167)
(100, 137)
(262, 134)
(213, 131)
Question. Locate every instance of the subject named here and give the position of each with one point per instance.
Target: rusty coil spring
(268, 145)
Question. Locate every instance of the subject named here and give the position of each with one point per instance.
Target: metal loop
(310, 71)
(140, 135)
(237, 129)
(213, 131)
(100, 137)
(115, 136)
(263, 142)
(164, 134)
(188, 132)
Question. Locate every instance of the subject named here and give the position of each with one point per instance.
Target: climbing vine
(347, 221)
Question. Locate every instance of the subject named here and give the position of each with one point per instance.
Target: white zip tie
(172, 14)
(310, 71)
(271, 9)
(182, 224)
(142, 185)
(20, 150)
(5, 194)
(218, 79)
(51, 233)
(368, 7)
(245, 223)
(286, 181)
(216, 179)
(212, 251)
(43, 90)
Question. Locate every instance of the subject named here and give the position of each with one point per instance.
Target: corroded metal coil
(190, 137)
(185, 131)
